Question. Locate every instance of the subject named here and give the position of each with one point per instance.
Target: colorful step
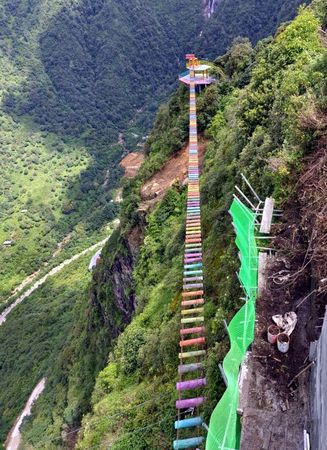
(187, 312)
(187, 443)
(192, 330)
(191, 384)
(192, 266)
(197, 301)
(193, 286)
(185, 280)
(192, 319)
(191, 354)
(192, 259)
(188, 423)
(195, 341)
(192, 294)
(192, 272)
(189, 403)
(188, 368)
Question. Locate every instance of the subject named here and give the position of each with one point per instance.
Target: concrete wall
(318, 432)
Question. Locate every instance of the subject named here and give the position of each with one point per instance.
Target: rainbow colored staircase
(192, 340)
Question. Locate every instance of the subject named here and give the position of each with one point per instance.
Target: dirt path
(42, 280)
(14, 436)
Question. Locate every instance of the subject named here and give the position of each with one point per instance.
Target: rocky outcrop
(112, 292)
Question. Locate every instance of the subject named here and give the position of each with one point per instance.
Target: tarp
(224, 428)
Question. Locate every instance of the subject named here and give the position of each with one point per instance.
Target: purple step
(193, 286)
(186, 280)
(192, 259)
(189, 402)
(188, 260)
(191, 384)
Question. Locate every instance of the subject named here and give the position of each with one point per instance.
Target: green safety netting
(224, 428)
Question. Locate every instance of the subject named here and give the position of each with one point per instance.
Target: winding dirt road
(14, 437)
(42, 280)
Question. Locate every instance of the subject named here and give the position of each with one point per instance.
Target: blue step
(188, 443)
(186, 423)
(192, 266)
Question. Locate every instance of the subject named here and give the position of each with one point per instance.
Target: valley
(52, 272)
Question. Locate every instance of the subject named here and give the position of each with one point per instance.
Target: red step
(195, 341)
(197, 330)
(191, 294)
(198, 301)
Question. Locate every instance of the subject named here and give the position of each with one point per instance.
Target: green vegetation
(254, 19)
(32, 339)
(54, 333)
(148, 346)
(62, 107)
(41, 202)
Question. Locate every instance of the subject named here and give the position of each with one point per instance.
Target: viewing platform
(202, 76)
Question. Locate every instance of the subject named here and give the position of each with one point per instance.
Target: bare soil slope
(131, 163)
(175, 170)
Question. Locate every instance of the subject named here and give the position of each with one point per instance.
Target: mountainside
(80, 84)
(261, 129)
(93, 54)
(74, 75)
(254, 19)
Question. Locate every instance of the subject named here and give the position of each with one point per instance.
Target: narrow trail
(52, 272)
(14, 436)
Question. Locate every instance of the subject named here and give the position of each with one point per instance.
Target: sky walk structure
(223, 432)
(189, 429)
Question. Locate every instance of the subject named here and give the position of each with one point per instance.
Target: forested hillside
(256, 120)
(74, 75)
(80, 84)
(254, 19)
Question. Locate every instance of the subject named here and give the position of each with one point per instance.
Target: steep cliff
(112, 290)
